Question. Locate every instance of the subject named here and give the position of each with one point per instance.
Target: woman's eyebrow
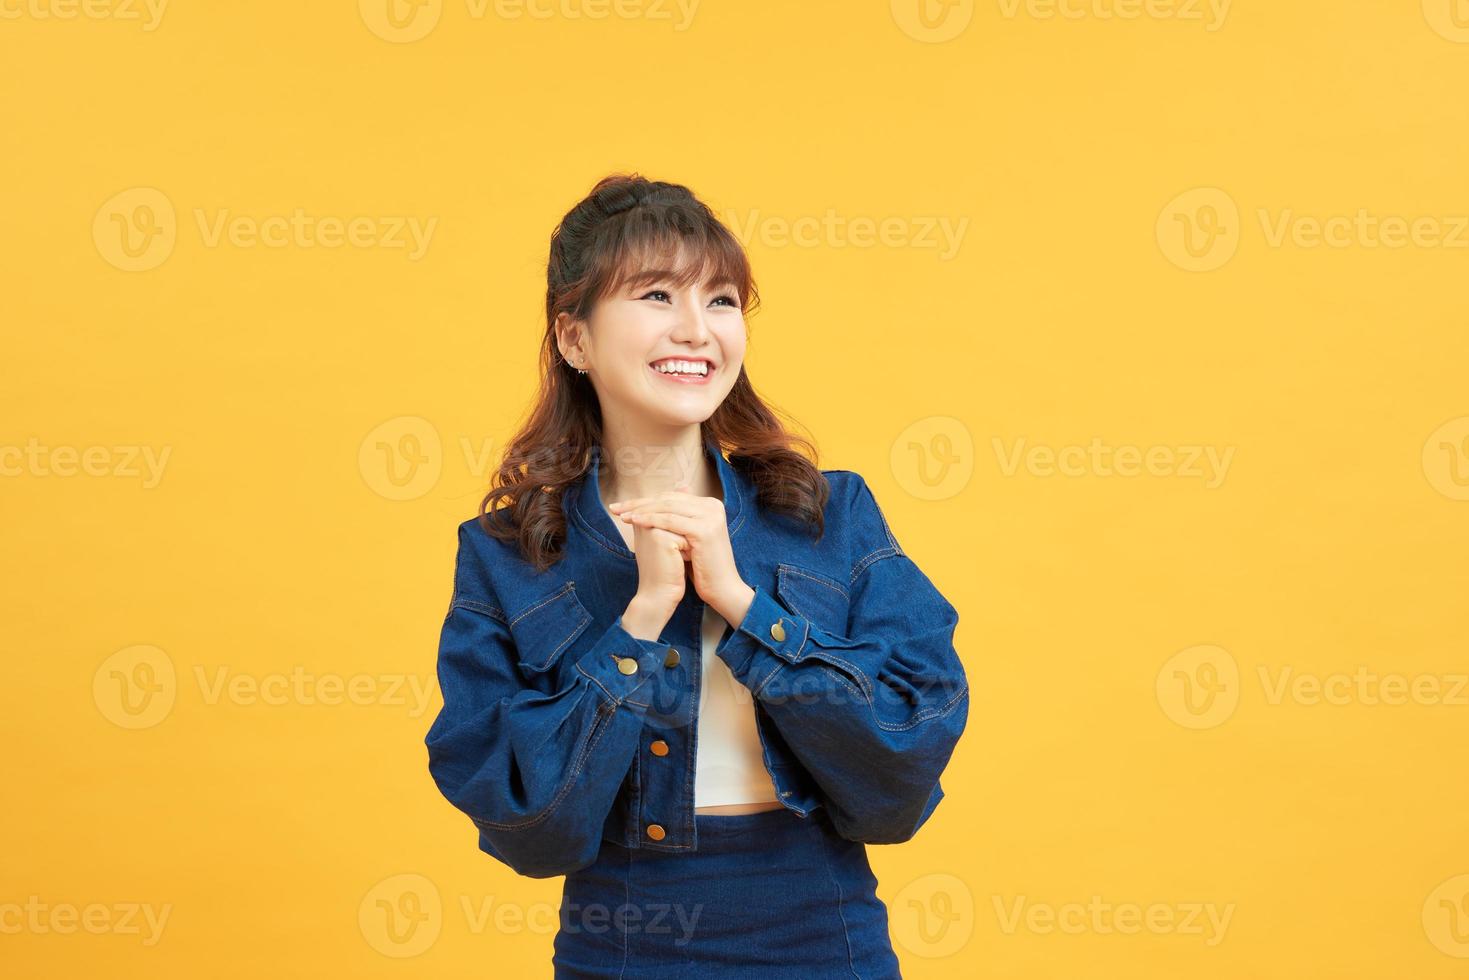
(650, 276)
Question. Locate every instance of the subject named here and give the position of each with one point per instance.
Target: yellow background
(1093, 605)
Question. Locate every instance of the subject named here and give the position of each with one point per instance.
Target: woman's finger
(677, 523)
(686, 505)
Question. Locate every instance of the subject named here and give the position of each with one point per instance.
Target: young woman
(695, 685)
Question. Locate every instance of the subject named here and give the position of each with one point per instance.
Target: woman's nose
(691, 325)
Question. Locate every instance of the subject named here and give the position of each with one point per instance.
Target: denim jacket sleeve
(535, 766)
(873, 715)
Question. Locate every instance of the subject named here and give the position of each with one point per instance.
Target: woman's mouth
(684, 371)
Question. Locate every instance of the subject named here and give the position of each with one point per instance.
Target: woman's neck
(632, 470)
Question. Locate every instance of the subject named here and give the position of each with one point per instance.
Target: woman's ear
(568, 337)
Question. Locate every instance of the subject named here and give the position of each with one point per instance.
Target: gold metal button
(656, 832)
(672, 659)
(778, 631)
(659, 747)
(628, 665)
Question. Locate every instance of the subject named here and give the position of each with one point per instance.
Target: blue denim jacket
(550, 706)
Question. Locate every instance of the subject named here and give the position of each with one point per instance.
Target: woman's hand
(661, 575)
(702, 523)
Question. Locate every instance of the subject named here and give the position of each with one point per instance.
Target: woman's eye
(732, 301)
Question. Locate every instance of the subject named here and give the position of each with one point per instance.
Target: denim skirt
(767, 895)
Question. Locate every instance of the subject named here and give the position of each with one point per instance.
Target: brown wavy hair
(612, 237)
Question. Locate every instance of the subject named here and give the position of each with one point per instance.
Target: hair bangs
(654, 247)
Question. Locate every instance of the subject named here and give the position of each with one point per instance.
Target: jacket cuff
(621, 663)
(769, 637)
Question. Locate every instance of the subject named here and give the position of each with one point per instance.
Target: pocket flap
(543, 630)
(818, 597)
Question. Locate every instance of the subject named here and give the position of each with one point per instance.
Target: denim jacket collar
(590, 515)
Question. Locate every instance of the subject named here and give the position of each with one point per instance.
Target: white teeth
(700, 368)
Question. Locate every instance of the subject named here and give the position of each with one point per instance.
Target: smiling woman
(680, 678)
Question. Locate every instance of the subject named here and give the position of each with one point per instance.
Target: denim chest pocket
(814, 595)
(544, 629)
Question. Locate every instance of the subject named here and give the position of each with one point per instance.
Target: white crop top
(729, 765)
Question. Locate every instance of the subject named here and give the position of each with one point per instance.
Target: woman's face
(664, 353)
